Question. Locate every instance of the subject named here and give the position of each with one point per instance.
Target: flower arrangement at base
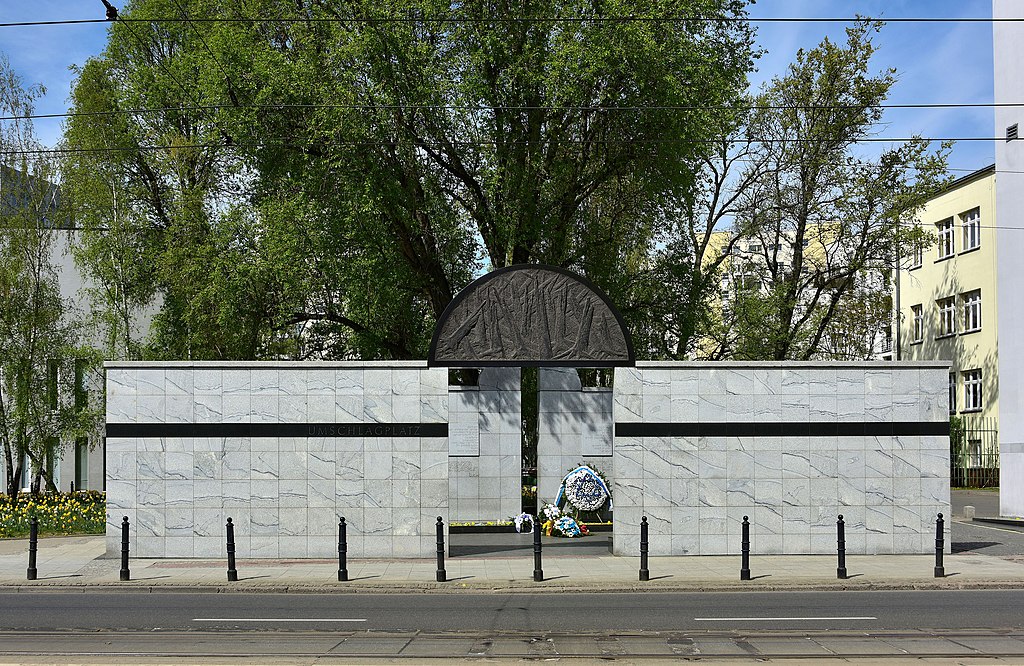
(551, 511)
(567, 526)
(522, 520)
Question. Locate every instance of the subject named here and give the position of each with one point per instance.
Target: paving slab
(77, 562)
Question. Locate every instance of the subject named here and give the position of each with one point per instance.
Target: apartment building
(946, 299)
(73, 464)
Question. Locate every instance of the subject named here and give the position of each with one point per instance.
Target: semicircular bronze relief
(531, 315)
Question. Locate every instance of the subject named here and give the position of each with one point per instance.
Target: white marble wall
(485, 447)
(695, 490)
(574, 426)
(284, 494)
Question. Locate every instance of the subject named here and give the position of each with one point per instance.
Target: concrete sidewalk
(77, 563)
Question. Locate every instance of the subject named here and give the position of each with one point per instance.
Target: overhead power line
(458, 107)
(539, 19)
(416, 144)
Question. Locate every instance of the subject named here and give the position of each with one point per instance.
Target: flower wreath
(584, 489)
(523, 519)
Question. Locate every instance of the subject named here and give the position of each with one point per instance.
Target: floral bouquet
(522, 520)
(567, 526)
(551, 511)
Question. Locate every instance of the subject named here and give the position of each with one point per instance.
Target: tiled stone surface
(284, 495)
(486, 486)
(696, 490)
(574, 426)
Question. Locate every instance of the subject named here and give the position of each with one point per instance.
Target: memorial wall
(284, 449)
(791, 445)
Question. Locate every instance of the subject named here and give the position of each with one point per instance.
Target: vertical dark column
(940, 542)
(33, 543)
(645, 573)
(538, 571)
(126, 574)
(745, 551)
(442, 575)
(342, 550)
(232, 572)
(841, 548)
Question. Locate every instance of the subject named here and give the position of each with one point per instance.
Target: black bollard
(126, 574)
(33, 543)
(342, 550)
(442, 575)
(645, 573)
(232, 572)
(940, 542)
(841, 546)
(745, 551)
(538, 572)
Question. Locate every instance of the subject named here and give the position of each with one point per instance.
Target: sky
(948, 62)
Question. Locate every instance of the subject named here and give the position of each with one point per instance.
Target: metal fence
(974, 453)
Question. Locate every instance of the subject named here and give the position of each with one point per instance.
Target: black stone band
(785, 429)
(138, 430)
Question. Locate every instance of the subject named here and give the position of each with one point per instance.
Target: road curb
(491, 588)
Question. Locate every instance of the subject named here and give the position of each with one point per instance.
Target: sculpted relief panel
(531, 315)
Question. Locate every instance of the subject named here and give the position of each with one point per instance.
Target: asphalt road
(134, 628)
(521, 612)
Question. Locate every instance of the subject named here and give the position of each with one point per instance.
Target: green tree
(38, 335)
(365, 160)
(829, 223)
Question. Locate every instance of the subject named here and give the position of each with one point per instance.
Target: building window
(917, 255)
(972, 390)
(974, 452)
(918, 331)
(972, 310)
(52, 373)
(952, 393)
(945, 230)
(81, 463)
(947, 316)
(972, 229)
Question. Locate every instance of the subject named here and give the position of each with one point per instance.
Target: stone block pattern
(574, 426)
(486, 487)
(696, 490)
(285, 495)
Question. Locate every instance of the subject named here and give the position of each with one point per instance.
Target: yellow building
(946, 300)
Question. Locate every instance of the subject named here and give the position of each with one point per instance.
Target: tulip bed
(82, 512)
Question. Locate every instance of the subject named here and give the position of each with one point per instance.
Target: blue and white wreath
(584, 489)
(567, 526)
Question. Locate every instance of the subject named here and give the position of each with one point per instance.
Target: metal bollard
(645, 573)
(745, 551)
(940, 542)
(232, 572)
(342, 550)
(442, 575)
(126, 574)
(841, 547)
(538, 572)
(33, 543)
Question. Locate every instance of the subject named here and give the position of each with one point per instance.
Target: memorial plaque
(597, 442)
(464, 439)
